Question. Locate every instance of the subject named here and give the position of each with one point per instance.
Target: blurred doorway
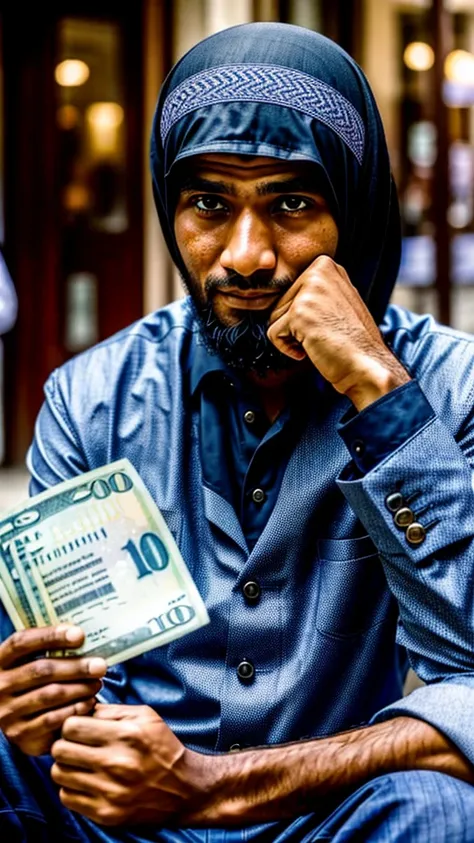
(73, 188)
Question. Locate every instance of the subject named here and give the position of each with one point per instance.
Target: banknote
(95, 551)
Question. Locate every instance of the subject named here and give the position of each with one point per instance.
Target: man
(315, 472)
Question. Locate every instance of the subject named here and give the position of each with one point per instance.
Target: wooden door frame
(32, 248)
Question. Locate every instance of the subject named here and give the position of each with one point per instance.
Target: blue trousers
(398, 808)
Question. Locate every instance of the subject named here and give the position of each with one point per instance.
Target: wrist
(372, 380)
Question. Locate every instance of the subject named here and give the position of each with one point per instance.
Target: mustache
(257, 281)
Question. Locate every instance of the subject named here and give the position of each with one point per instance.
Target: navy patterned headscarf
(282, 91)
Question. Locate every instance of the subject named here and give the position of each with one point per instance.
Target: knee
(429, 805)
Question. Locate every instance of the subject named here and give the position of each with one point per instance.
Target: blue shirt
(340, 585)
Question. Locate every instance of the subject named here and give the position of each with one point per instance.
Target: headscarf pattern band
(267, 84)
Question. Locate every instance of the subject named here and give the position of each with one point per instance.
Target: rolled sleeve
(448, 706)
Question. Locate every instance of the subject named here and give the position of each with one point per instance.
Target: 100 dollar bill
(95, 551)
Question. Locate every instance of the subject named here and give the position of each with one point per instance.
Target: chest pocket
(353, 595)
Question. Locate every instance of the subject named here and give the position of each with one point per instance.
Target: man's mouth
(250, 299)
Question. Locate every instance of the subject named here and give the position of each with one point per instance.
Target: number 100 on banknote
(95, 551)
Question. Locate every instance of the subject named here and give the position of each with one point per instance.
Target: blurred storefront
(80, 233)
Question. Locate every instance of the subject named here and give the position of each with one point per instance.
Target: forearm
(284, 781)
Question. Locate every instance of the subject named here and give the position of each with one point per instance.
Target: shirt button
(358, 447)
(249, 416)
(234, 747)
(251, 591)
(394, 501)
(404, 516)
(258, 496)
(415, 533)
(245, 670)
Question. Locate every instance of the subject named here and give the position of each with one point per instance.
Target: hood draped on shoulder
(278, 90)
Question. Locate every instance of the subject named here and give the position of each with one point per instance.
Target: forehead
(248, 168)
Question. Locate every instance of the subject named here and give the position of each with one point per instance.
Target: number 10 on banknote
(95, 551)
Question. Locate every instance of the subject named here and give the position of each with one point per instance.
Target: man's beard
(243, 346)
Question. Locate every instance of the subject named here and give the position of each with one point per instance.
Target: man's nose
(249, 246)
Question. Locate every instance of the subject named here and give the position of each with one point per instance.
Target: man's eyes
(292, 203)
(210, 204)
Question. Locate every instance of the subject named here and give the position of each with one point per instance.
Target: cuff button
(394, 501)
(415, 533)
(404, 517)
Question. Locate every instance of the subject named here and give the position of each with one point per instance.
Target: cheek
(198, 249)
(299, 250)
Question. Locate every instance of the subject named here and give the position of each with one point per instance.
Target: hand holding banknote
(93, 554)
(37, 694)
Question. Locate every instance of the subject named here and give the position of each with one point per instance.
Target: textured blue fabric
(238, 456)
(336, 595)
(266, 83)
(318, 108)
(411, 807)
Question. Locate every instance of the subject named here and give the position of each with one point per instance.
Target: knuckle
(133, 735)
(13, 732)
(123, 767)
(54, 693)
(325, 261)
(16, 642)
(41, 669)
(300, 308)
(6, 712)
(108, 815)
(53, 720)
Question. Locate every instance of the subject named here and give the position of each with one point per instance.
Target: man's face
(246, 229)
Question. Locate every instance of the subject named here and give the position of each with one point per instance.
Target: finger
(76, 756)
(88, 805)
(45, 671)
(75, 779)
(47, 698)
(91, 733)
(27, 642)
(284, 303)
(35, 736)
(280, 335)
(114, 711)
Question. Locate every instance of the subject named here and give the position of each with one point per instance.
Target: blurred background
(78, 230)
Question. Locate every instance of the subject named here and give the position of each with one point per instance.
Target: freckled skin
(253, 232)
(267, 218)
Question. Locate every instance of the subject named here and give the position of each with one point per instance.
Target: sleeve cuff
(448, 706)
(378, 430)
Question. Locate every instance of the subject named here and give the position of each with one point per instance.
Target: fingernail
(73, 635)
(97, 666)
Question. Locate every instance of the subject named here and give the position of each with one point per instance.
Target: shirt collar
(203, 362)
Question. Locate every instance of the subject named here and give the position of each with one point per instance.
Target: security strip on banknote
(95, 551)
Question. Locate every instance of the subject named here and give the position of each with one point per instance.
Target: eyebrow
(293, 185)
(196, 183)
(266, 188)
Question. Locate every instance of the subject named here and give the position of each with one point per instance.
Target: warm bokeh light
(459, 67)
(104, 120)
(71, 73)
(68, 117)
(105, 115)
(418, 56)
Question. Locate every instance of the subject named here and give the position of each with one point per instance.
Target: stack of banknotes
(95, 551)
